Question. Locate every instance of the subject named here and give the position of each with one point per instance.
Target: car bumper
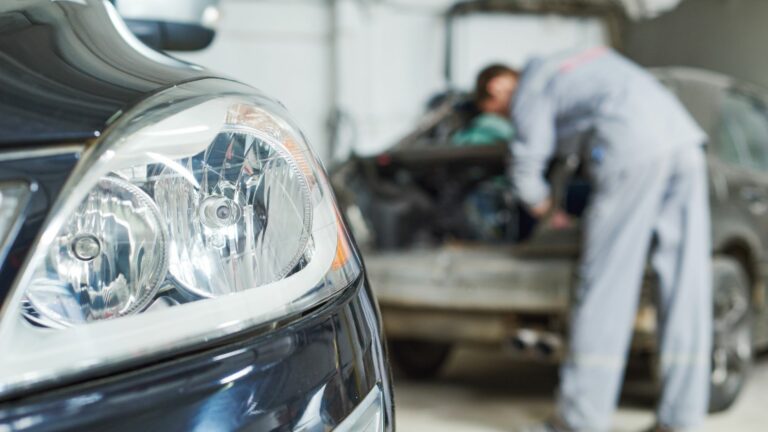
(471, 278)
(483, 295)
(325, 371)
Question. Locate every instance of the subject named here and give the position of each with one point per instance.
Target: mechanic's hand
(560, 220)
(542, 209)
(553, 218)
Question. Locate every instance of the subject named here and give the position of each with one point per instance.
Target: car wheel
(732, 351)
(419, 359)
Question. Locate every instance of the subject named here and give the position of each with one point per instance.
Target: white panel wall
(282, 48)
(390, 63)
(512, 39)
(392, 56)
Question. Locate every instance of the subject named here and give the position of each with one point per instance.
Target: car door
(740, 159)
(741, 144)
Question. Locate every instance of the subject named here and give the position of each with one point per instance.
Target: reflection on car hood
(68, 67)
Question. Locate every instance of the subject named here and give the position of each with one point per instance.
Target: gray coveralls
(649, 177)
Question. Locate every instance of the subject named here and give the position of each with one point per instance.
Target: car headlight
(193, 217)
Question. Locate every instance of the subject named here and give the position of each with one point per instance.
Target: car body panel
(307, 375)
(67, 69)
(472, 278)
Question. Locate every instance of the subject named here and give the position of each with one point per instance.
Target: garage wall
(362, 65)
(281, 47)
(389, 57)
(728, 36)
(369, 66)
(392, 60)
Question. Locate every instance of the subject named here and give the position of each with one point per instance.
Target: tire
(732, 348)
(419, 359)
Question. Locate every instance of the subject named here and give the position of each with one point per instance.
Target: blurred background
(375, 63)
(474, 295)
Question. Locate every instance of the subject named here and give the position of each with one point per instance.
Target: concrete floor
(487, 392)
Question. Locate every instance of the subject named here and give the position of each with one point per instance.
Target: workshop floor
(487, 392)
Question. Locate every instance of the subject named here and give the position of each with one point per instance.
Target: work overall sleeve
(533, 114)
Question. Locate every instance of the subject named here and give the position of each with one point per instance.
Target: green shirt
(485, 129)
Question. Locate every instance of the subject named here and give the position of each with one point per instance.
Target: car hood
(70, 67)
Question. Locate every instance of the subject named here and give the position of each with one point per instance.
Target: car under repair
(455, 259)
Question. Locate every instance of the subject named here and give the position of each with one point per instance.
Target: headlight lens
(108, 259)
(240, 216)
(187, 198)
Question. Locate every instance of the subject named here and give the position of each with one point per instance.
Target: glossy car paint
(308, 374)
(66, 70)
(67, 73)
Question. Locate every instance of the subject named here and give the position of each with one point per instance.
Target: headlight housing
(200, 213)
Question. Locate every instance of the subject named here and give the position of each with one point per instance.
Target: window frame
(745, 154)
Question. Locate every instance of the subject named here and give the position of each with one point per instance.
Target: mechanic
(492, 124)
(647, 165)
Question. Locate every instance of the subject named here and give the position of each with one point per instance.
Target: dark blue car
(171, 254)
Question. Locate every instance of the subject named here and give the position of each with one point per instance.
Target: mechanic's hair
(486, 75)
